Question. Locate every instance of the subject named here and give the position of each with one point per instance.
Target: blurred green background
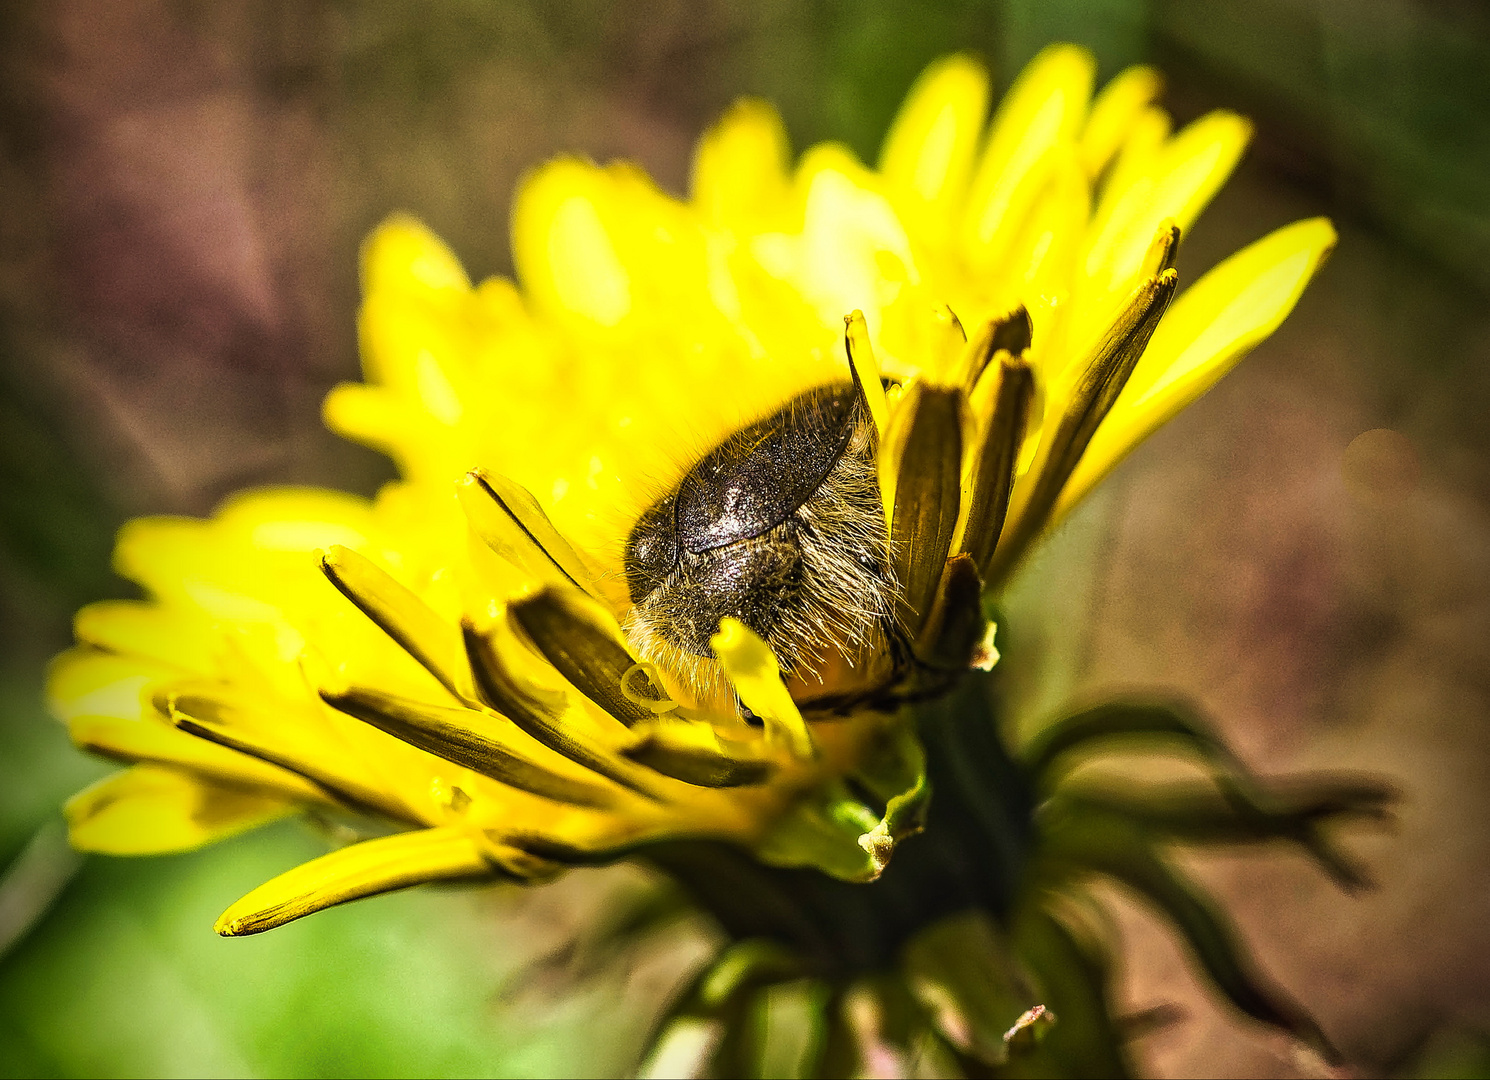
(184, 186)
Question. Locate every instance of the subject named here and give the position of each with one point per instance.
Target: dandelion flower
(689, 557)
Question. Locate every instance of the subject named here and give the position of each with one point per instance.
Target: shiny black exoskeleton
(779, 526)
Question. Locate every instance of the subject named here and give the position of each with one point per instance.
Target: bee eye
(745, 487)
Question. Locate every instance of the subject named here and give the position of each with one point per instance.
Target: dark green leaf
(962, 971)
(724, 992)
(1227, 813)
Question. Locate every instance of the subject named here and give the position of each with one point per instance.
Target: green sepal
(839, 1054)
(1071, 977)
(836, 832)
(633, 918)
(877, 1024)
(822, 831)
(963, 972)
(895, 772)
(787, 1028)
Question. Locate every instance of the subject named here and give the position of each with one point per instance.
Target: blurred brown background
(183, 186)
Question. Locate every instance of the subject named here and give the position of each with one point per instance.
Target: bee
(780, 526)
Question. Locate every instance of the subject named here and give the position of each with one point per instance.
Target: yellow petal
(866, 369)
(416, 349)
(1008, 387)
(752, 668)
(1114, 112)
(1098, 384)
(584, 644)
(380, 419)
(1197, 162)
(507, 517)
(149, 739)
(133, 627)
(195, 564)
(365, 869)
(1136, 159)
(1044, 252)
(1185, 176)
(927, 497)
(855, 252)
(562, 246)
(1044, 108)
(402, 255)
(467, 738)
(740, 167)
(543, 717)
(378, 778)
(91, 681)
(929, 151)
(695, 754)
(1230, 309)
(403, 616)
(151, 810)
(892, 443)
(1129, 177)
(295, 520)
(1206, 331)
(156, 552)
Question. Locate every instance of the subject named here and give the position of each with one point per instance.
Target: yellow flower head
(687, 510)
